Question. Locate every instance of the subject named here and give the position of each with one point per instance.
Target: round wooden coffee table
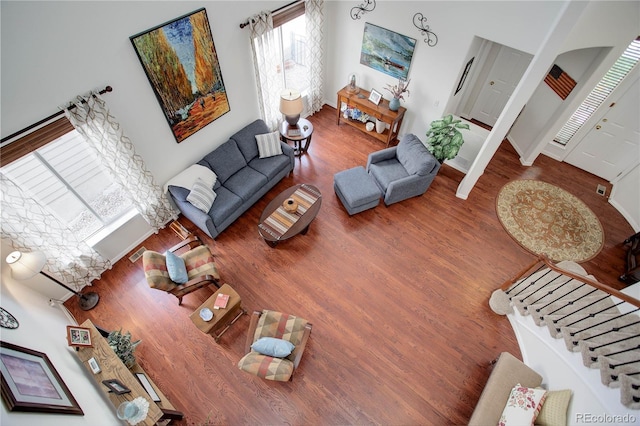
(272, 236)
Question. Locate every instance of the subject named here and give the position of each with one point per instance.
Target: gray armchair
(403, 171)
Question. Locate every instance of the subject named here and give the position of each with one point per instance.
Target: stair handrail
(600, 286)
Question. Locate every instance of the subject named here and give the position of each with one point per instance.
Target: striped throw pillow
(201, 196)
(269, 144)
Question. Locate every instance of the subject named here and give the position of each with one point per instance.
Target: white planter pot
(380, 126)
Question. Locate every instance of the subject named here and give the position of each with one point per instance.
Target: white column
(535, 73)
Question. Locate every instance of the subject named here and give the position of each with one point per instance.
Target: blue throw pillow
(271, 346)
(176, 268)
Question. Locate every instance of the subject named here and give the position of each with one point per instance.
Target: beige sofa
(507, 372)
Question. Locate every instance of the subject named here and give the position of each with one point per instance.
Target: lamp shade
(26, 265)
(290, 102)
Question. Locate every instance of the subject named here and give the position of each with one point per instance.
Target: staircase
(561, 313)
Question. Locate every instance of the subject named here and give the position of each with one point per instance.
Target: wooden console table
(113, 368)
(380, 112)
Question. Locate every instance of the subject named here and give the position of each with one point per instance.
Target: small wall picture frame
(94, 365)
(78, 336)
(375, 96)
(116, 386)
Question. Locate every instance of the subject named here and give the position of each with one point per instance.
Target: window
(66, 176)
(599, 94)
(291, 29)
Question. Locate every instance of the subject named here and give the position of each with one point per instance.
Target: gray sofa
(242, 179)
(403, 171)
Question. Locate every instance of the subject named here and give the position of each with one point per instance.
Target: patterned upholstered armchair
(200, 267)
(281, 326)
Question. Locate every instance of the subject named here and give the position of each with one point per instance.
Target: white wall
(435, 71)
(544, 105)
(54, 50)
(625, 197)
(43, 329)
(606, 27)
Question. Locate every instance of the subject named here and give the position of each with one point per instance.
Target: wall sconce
(420, 22)
(358, 11)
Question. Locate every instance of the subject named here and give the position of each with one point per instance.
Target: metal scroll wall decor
(420, 22)
(358, 11)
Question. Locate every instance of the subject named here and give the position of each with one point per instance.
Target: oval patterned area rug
(545, 219)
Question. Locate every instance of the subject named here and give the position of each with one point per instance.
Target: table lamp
(27, 265)
(291, 105)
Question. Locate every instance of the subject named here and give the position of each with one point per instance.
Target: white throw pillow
(523, 406)
(201, 196)
(269, 144)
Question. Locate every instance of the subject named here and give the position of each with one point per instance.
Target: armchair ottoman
(356, 190)
(403, 171)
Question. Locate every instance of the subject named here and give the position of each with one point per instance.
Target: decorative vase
(394, 104)
(380, 126)
(290, 205)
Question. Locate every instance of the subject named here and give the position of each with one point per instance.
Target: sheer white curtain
(267, 56)
(91, 118)
(314, 16)
(28, 226)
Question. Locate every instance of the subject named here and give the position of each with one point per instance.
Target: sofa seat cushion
(245, 183)
(386, 172)
(266, 367)
(246, 138)
(270, 166)
(225, 205)
(226, 160)
(414, 156)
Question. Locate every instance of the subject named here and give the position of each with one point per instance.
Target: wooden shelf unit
(381, 112)
(113, 368)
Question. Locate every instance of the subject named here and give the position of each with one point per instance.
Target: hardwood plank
(398, 298)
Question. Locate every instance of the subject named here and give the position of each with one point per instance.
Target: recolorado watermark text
(615, 419)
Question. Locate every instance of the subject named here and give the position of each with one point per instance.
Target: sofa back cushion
(226, 160)
(414, 156)
(246, 138)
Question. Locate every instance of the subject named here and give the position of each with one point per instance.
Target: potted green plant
(444, 138)
(123, 346)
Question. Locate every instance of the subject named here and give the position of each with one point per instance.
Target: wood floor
(398, 297)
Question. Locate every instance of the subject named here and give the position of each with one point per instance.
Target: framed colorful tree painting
(181, 63)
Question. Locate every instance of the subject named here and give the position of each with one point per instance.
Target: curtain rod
(44, 120)
(245, 23)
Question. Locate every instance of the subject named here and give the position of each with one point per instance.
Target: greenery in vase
(444, 138)
(123, 346)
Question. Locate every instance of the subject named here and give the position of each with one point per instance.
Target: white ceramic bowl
(369, 126)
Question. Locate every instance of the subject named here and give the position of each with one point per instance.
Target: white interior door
(613, 144)
(506, 72)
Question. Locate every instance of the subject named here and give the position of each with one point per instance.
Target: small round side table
(300, 135)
